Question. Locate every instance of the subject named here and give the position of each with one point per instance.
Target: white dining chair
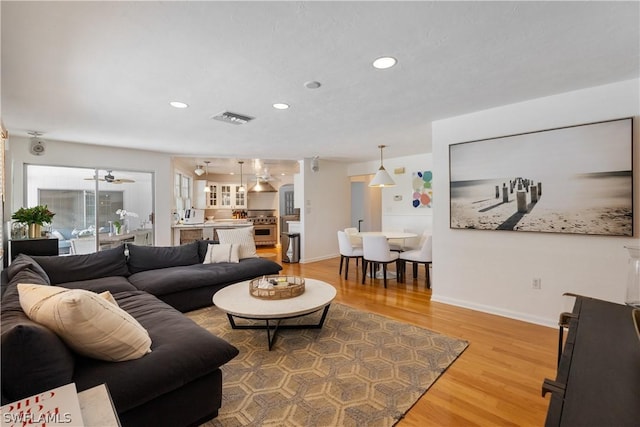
(83, 246)
(419, 256)
(412, 243)
(376, 251)
(347, 251)
(356, 241)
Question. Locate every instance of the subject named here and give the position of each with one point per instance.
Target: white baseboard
(320, 258)
(552, 323)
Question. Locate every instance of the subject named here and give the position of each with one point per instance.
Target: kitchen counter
(185, 233)
(232, 223)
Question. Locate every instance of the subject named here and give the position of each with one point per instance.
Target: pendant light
(199, 171)
(241, 188)
(207, 189)
(382, 178)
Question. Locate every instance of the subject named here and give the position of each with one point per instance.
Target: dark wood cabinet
(33, 247)
(598, 378)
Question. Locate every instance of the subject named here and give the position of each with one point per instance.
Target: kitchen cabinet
(199, 195)
(231, 197)
(212, 195)
(206, 195)
(188, 233)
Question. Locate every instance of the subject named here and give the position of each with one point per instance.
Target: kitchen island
(186, 233)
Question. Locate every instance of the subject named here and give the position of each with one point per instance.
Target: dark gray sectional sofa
(179, 383)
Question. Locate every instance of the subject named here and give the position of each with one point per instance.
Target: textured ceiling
(104, 72)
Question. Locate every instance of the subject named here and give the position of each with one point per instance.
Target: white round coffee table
(236, 301)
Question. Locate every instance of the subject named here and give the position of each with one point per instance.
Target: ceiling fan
(265, 176)
(110, 178)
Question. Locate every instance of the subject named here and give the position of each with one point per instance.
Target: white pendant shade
(382, 178)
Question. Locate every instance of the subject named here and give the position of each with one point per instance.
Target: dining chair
(376, 251)
(356, 241)
(83, 246)
(347, 251)
(396, 245)
(414, 242)
(419, 256)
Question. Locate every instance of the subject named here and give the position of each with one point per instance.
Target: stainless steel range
(265, 226)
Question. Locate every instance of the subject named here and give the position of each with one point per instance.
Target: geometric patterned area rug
(360, 369)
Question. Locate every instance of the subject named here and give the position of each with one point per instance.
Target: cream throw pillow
(223, 252)
(89, 323)
(242, 236)
(106, 295)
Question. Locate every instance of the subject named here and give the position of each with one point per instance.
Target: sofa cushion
(112, 284)
(23, 262)
(143, 258)
(28, 275)
(61, 269)
(89, 324)
(182, 352)
(34, 358)
(176, 279)
(203, 247)
(242, 236)
(222, 252)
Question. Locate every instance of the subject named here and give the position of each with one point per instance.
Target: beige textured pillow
(242, 236)
(106, 295)
(86, 321)
(223, 252)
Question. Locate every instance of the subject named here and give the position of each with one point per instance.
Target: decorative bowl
(276, 287)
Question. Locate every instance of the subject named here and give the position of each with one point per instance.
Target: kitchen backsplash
(262, 201)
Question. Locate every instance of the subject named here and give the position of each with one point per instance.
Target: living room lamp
(382, 178)
(241, 188)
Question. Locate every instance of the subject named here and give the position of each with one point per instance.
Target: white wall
(399, 215)
(324, 209)
(492, 271)
(92, 156)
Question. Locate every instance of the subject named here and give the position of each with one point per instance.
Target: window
(182, 191)
(88, 203)
(77, 208)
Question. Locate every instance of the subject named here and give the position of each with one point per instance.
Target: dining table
(388, 234)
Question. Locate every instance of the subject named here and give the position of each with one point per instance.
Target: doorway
(366, 204)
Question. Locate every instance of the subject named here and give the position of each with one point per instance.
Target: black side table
(33, 247)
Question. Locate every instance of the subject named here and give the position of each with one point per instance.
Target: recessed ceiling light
(312, 84)
(280, 106)
(178, 104)
(384, 62)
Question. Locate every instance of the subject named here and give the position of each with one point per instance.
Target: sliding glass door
(95, 209)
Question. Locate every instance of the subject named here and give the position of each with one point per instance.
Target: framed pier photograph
(575, 179)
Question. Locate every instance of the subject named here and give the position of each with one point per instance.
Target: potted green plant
(34, 218)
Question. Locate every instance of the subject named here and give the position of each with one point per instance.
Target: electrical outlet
(537, 283)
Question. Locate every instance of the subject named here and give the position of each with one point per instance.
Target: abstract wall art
(422, 191)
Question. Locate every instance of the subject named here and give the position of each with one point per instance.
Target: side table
(97, 407)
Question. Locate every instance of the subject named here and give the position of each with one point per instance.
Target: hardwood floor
(495, 382)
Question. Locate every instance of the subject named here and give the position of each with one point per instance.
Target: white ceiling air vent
(233, 118)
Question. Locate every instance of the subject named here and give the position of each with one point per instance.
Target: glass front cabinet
(231, 197)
